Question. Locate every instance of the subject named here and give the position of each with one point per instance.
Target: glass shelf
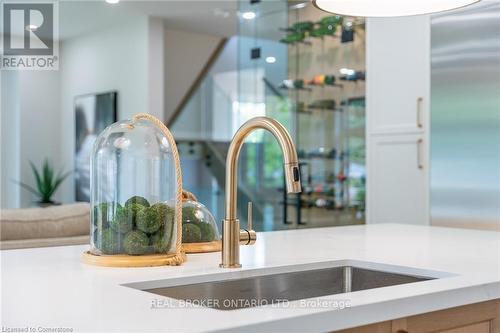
(341, 127)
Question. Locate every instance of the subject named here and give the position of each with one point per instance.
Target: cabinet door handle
(420, 165)
(420, 100)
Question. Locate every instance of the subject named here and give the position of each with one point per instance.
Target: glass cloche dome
(136, 191)
(198, 224)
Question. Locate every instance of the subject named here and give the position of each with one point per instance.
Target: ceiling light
(31, 27)
(270, 60)
(248, 15)
(112, 1)
(299, 5)
(388, 8)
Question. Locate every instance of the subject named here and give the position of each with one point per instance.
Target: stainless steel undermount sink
(271, 288)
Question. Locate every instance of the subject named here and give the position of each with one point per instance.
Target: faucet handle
(250, 216)
(248, 236)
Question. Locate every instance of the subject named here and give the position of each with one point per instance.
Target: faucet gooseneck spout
(232, 236)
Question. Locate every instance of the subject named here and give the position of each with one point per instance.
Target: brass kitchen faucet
(232, 235)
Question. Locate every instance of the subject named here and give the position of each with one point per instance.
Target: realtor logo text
(30, 36)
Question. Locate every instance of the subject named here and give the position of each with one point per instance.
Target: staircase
(211, 156)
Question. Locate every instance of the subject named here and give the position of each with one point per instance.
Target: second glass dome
(198, 224)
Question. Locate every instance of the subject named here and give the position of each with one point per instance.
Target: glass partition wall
(305, 68)
(262, 65)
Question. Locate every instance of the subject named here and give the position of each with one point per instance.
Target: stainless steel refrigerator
(465, 116)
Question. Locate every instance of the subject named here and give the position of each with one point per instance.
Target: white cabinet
(398, 179)
(398, 92)
(398, 73)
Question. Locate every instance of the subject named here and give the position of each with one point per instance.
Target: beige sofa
(41, 227)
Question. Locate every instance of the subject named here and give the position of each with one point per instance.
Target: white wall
(30, 127)
(9, 139)
(40, 123)
(156, 78)
(114, 59)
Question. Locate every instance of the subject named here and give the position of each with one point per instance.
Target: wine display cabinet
(306, 68)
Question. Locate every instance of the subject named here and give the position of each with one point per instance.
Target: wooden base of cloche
(214, 246)
(124, 260)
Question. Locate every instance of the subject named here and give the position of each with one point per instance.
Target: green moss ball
(149, 220)
(136, 242)
(161, 240)
(110, 242)
(137, 200)
(191, 233)
(135, 208)
(207, 232)
(189, 214)
(167, 215)
(163, 210)
(125, 218)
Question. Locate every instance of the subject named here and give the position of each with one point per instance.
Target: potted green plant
(47, 183)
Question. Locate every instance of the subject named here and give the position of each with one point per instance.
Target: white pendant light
(388, 8)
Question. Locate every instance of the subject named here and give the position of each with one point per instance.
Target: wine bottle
(331, 20)
(328, 104)
(301, 27)
(320, 80)
(292, 84)
(317, 80)
(324, 30)
(329, 80)
(293, 38)
(341, 176)
(347, 33)
(354, 76)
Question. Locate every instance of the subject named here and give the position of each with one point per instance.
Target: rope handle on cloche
(186, 195)
(180, 257)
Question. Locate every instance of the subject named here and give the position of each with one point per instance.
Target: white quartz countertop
(52, 288)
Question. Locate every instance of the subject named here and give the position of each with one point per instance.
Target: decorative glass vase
(199, 229)
(136, 196)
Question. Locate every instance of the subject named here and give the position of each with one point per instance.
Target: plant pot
(47, 204)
